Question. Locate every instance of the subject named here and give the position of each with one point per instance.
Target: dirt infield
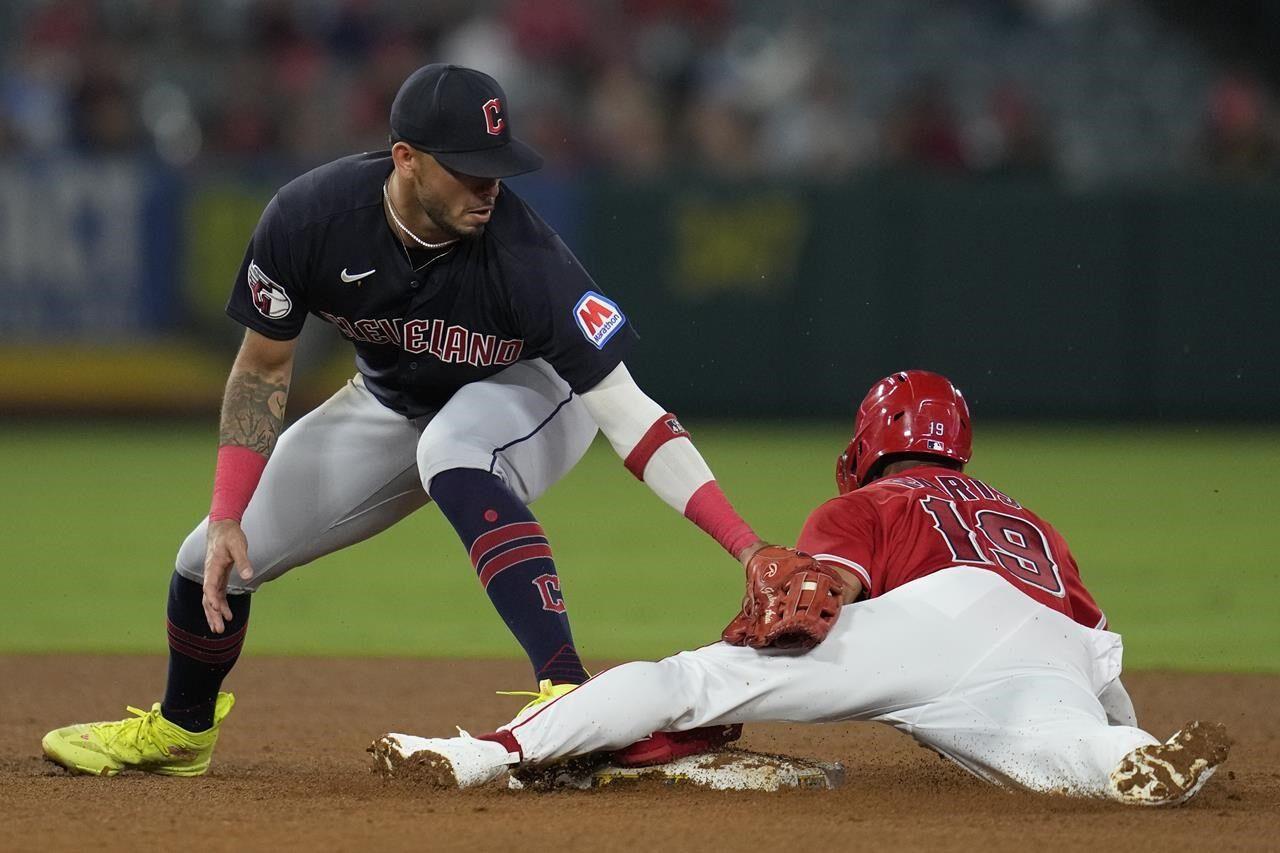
(290, 772)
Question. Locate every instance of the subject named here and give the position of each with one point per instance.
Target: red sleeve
(842, 532)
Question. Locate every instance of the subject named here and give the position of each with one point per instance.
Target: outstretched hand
(226, 548)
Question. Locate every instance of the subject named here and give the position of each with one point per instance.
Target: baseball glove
(792, 601)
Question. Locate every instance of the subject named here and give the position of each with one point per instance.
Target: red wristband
(664, 429)
(710, 509)
(234, 481)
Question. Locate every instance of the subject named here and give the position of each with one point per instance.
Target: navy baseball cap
(459, 116)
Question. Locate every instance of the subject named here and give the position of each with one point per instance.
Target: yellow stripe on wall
(151, 376)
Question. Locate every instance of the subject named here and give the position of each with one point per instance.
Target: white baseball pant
(960, 660)
(351, 468)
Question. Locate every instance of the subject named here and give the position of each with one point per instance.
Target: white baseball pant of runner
(1012, 691)
(351, 468)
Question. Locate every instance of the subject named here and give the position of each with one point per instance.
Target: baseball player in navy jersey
(934, 602)
(486, 360)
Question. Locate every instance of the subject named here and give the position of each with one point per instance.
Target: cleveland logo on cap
(493, 120)
(435, 112)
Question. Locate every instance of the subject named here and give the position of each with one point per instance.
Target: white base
(724, 770)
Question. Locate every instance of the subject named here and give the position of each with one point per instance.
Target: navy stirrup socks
(198, 658)
(513, 560)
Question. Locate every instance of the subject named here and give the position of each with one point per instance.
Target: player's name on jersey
(960, 488)
(450, 344)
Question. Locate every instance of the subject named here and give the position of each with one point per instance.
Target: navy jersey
(323, 247)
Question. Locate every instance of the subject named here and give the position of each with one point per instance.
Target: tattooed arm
(257, 389)
(252, 418)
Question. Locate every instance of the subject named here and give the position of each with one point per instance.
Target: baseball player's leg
(854, 674)
(1043, 732)
(897, 658)
(1117, 704)
(342, 473)
(495, 447)
(960, 660)
(1026, 713)
(615, 709)
(612, 710)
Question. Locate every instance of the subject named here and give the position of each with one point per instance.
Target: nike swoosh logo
(350, 278)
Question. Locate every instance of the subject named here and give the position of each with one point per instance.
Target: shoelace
(546, 692)
(543, 694)
(134, 732)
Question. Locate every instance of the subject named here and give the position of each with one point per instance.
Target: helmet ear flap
(846, 478)
(847, 465)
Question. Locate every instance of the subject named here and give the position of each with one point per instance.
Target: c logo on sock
(548, 587)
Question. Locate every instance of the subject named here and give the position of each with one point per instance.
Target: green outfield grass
(1173, 530)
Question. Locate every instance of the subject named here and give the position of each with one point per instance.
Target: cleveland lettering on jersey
(451, 344)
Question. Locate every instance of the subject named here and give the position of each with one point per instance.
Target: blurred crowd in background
(1085, 91)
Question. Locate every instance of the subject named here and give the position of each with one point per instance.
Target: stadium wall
(1039, 302)
(750, 299)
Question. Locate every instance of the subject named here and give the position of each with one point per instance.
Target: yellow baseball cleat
(145, 741)
(546, 692)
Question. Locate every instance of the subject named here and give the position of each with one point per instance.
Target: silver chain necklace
(391, 208)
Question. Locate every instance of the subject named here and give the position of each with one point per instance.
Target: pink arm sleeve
(657, 450)
(234, 481)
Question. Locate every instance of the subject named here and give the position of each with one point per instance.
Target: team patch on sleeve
(268, 297)
(598, 318)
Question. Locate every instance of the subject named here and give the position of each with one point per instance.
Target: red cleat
(661, 747)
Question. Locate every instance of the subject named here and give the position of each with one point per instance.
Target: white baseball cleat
(454, 762)
(1170, 773)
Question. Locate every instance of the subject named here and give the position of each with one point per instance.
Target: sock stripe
(499, 551)
(211, 644)
(205, 649)
(510, 545)
(514, 557)
(194, 653)
(501, 535)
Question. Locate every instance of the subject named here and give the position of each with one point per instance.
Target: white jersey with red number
(905, 527)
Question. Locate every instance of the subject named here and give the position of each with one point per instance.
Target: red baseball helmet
(912, 412)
